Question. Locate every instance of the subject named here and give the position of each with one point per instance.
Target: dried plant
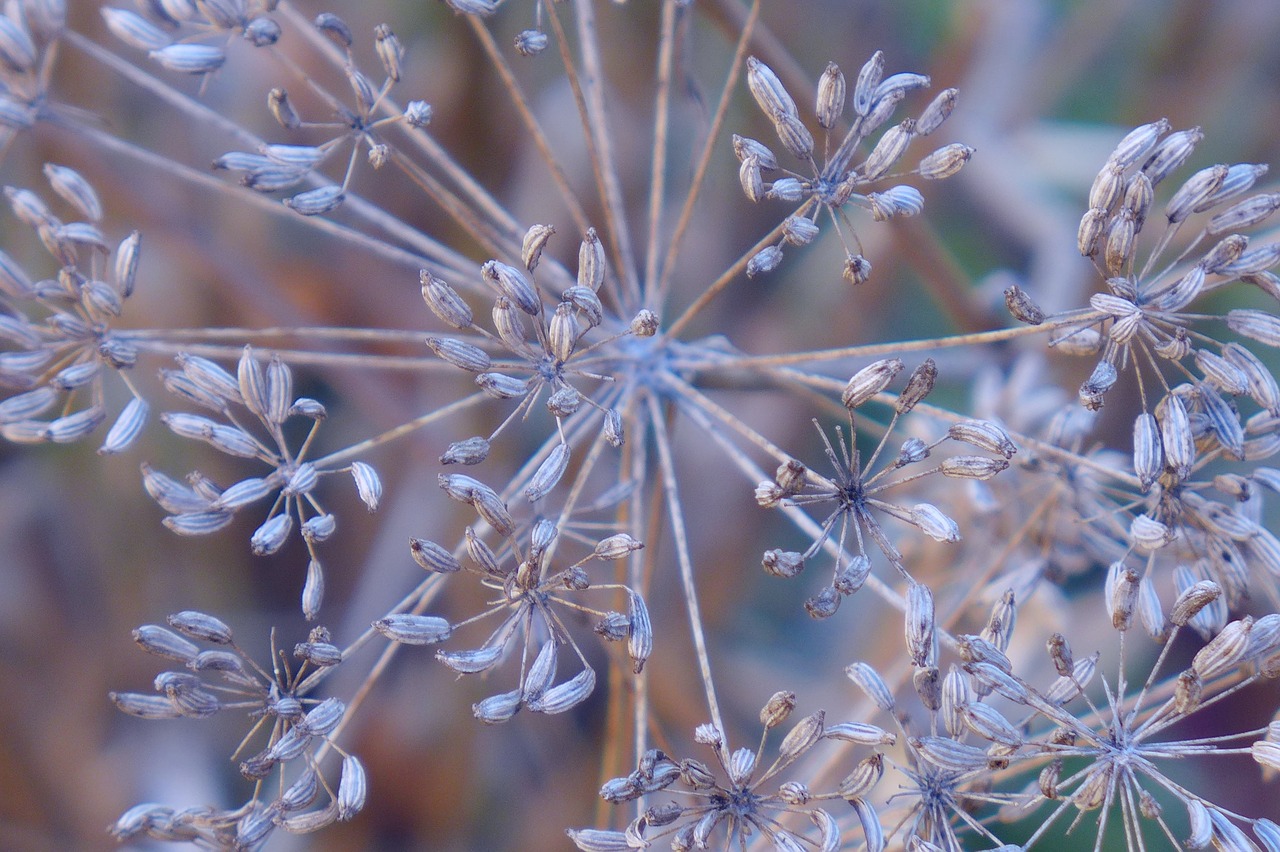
(505, 238)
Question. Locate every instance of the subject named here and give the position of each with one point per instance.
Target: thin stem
(871, 350)
(681, 539)
(588, 88)
(499, 61)
(661, 131)
(355, 450)
(704, 160)
(720, 283)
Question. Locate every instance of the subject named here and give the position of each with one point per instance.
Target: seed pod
(126, 428)
(1138, 198)
(614, 432)
(786, 189)
(1170, 153)
(1107, 188)
(1192, 195)
(1137, 143)
(417, 114)
(513, 284)
(501, 386)
(975, 649)
(1089, 235)
(794, 136)
(565, 696)
(918, 386)
(1099, 382)
(444, 301)
(1222, 420)
(1147, 534)
(799, 230)
(933, 523)
(315, 202)
(165, 643)
(390, 51)
(765, 260)
(586, 303)
(1240, 178)
(312, 587)
(783, 563)
(640, 632)
(591, 262)
(272, 535)
(777, 709)
(189, 57)
(990, 725)
(892, 145)
(352, 788)
(920, 624)
(869, 381)
(282, 109)
(949, 754)
(200, 626)
(368, 484)
(1148, 457)
(409, 629)
(768, 90)
(869, 681)
(824, 604)
(616, 546)
(564, 402)
(563, 332)
(868, 79)
(945, 161)
(1256, 325)
(1244, 214)
(745, 148)
(937, 111)
(857, 269)
(460, 354)
(832, 93)
(433, 557)
(473, 661)
(1221, 373)
(548, 473)
(1176, 436)
(1225, 651)
(1121, 235)
(801, 738)
(644, 324)
(983, 434)
(1123, 598)
(134, 30)
(972, 467)
(468, 452)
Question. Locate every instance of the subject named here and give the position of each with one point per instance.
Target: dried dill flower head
(200, 507)
(58, 334)
(857, 487)
(538, 598)
(838, 181)
(1143, 320)
(540, 349)
(745, 798)
(298, 728)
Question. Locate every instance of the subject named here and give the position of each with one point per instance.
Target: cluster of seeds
(839, 181)
(223, 678)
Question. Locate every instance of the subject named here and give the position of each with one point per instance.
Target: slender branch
(704, 159)
(521, 103)
(681, 539)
